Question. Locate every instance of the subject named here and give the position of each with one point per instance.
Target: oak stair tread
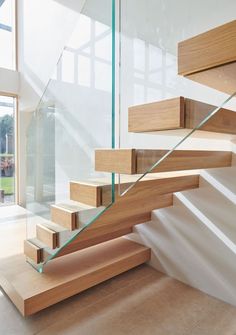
(137, 161)
(103, 197)
(210, 58)
(152, 117)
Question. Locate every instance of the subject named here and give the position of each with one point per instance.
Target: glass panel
(7, 150)
(75, 116)
(149, 35)
(7, 34)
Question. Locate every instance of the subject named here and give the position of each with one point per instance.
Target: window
(7, 34)
(7, 150)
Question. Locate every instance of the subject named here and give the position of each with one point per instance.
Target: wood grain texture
(210, 58)
(119, 160)
(94, 237)
(178, 160)
(33, 252)
(63, 217)
(221, 78)
(87, 193)
(190, 112)
(47, 236)
(210, 49)
(161, 115)
(134, 207)
(224, 121)
(182, 160)
(65, 277)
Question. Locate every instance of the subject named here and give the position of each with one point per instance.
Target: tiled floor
(141, 301)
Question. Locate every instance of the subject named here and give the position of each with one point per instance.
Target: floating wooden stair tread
(98, 192)
(210, 58)
(47, 236)
(65, 277)
(72, 215)
(48, 232)
(33, 251)
(166, 114)
(137, 161)
(182, 113)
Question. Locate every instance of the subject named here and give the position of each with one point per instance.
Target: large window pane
(7, 150)
(7, 34)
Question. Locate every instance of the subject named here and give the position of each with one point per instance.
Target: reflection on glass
(86, 60)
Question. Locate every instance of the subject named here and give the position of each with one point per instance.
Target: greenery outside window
(7, 150)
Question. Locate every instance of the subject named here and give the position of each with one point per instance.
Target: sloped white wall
(196, 247)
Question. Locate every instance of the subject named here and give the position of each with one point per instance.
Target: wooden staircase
(100, 251)
(134, 208)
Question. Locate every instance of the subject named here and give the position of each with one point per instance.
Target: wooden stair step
(33, 251)
(65, 277)
(179, 113)
(48, 233)
(72, 215)
(90, 193)
(210, 58)
(133, 208)
(138, 161)
(104, 186)
(91, 238)
(47, 236)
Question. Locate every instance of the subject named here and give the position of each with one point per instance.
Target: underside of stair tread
(65, 277)
(153, 117)
(138, 161)
(216, 67)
